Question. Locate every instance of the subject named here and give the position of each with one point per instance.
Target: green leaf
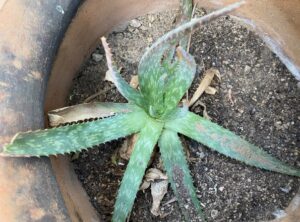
(135, 170)
(152, 76)
(180, 81)
(186, 7)
(152, 79)
(154, 70)
(176, 166)
(131, 94)
(167, 83)
(72, 138)
(227, 143)
(186, 11)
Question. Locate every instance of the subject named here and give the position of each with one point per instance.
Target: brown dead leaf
(151, 175)
(230, 97)
(204, 84)
(77, 112)
(134, 81)
(160, 165)
(155, 174)
(210, 90)
(127, 147)
(108, 76)
(174, 199)
(205, 114)
(158, 191)
(145, 185)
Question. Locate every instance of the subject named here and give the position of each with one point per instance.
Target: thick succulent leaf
(131, 94)
(154, 68)
(152, 77)
(135, 170)
(87, 111)
(72, 138)
(186, 11)
(151, 74)
(186, 7)
(180, 81)
(227, 143)
(176, 166)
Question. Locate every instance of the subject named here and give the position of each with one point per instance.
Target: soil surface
(257, 98)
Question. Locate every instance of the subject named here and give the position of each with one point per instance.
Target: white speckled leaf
(135, 170)
(177, 169)
(152, 77)
(180, 81)
(131, 94)
(72, 138)
(227, 143)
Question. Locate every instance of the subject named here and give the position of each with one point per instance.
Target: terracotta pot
(43, 44)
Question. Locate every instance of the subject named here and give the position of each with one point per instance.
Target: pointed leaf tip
(131, 94)
(227, 143)
(176, 166)
(135, 170)
(72, 138)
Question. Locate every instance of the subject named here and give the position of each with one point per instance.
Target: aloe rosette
(166, 71)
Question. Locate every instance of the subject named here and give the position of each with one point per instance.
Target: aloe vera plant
(166, 71)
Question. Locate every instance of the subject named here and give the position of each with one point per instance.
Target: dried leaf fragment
(210, 90)
(84, 111)
(204, 84)
(205, 114)
(159, 187)
(108, 76)
(155, 174)
(145, 185)
(127, 147)
(230, 97)
(134, 81)
(158, 191)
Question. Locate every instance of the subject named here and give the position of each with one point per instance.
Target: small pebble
(150, 40)
(279, 213)
(60, 9)
(135, 23)
(151, 18)
(144, 28)
(97, 57)
(201, 155)
(247, 69)
(241, 111)
(221, 189)
(214, 213)
(285, 189)
(252, 111)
